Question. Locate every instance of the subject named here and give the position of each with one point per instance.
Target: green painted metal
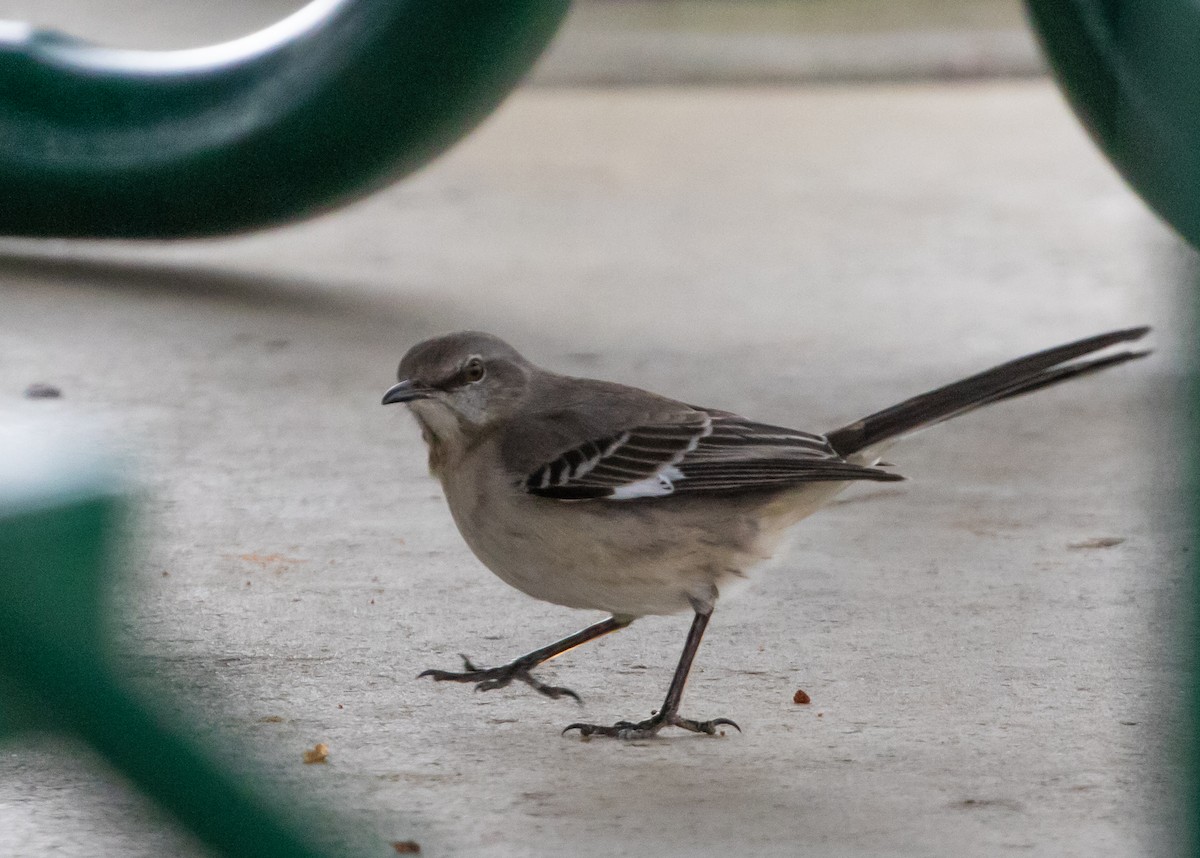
(325, 106)
(58, 516)
(1131, 70)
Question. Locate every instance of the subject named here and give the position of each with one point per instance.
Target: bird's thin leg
(486, 679)
(669, 713)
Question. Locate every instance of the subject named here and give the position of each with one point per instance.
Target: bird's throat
(442, 433)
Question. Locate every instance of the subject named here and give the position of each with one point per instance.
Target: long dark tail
(1023, 375)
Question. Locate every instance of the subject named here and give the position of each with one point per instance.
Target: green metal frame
(325, 106)
(1131, 70)
(58, 520)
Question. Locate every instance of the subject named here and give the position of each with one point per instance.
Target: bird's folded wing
(695, 451)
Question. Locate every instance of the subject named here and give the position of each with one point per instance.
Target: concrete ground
(629, 42)
(986, 646)
(637, 42)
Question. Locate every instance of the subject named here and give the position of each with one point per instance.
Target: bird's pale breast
(629, 558)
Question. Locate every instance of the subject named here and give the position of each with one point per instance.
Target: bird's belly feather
(629, 558)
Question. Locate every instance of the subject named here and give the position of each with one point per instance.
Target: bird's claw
(650, 727)
(491, 678)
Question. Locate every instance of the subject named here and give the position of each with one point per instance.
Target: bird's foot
(650, 727)
(489, 678)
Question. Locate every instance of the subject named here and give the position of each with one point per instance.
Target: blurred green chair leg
(327, 105)
(1131, 70)
(57, 517)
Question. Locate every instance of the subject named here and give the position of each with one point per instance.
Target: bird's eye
(474, 370)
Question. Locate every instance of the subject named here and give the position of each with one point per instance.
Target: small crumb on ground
(277, 563)
(318, 754)
(38, 390)
(270, 719)
(987, 804)
(407, 847)
(801, 697)
(1098, 542)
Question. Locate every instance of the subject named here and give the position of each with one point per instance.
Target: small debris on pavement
(277, 563)
(1098, 542)
(407, 847)
(801, 697)
(38, 390)
(318, 754)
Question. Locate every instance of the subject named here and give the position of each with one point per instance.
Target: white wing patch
(662, 483)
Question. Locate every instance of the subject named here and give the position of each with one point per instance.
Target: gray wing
(696, 452)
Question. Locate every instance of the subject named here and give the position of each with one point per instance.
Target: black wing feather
(702, 452)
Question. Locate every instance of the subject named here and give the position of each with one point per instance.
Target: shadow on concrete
(185, 280)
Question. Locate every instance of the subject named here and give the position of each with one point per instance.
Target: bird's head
(460, 384)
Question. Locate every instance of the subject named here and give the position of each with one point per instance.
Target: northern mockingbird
(596, 495)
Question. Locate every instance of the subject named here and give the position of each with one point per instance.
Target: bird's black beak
(406, 391)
